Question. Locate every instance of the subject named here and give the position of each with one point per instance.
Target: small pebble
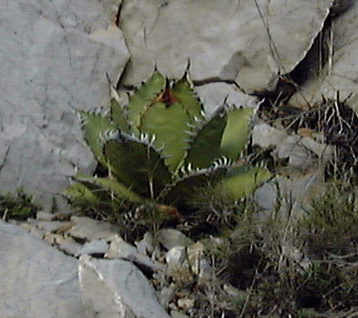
(186, 303)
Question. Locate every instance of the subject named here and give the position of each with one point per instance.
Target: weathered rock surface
(213, 95)
(250, 42)
(340, 71)
(54, 59)
(302, 152)
(94, 247)
(36, 280)
(295, 192)
(88, 229)
(116, 288)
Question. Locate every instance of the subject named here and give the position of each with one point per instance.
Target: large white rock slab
(213, 95)
(54, 58)
(225, 40)
(116, 288)
(341, 69)
(36, 280)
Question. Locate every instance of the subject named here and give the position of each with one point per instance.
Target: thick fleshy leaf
(81, 196)
(187, 187)
(144, 97)
(94, 196)
(236, 132)
(94, 127)
(241, 181)
(184, 93)
(119, 117)
(169, 125)
(137, 164)
(205, 146)
(112, 187)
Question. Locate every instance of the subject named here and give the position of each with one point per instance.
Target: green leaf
(236, 132)
(94, 126)
(205, 146)
(184, 93)
(81, 196)
(113, 187)
(144, 97)
(137, 164)
(170, 127)
(118, 116)
(241, 181)
(186, 188)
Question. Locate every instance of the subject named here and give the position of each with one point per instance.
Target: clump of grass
(290, 267)
(18, 205)
(330, 227)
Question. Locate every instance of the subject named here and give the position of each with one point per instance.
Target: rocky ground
(290, 250)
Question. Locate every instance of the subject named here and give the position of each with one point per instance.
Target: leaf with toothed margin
(236, 132)
(169, 126)
(136, 163)
(118, 116)
(186, 188)
(205, 146)
(240, 181)
(81, 196)
(94, 126)
(144, 97)
(170, 118)
(184, 93)
(111, 187)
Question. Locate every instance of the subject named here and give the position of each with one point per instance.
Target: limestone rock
(55, 56)
(301, 152)
(94, 247)
(250, 42)
(296, 192)
(116, 288)
(36, 280)
(339, 74)
(170, 238)
(88, 229)
(118, 248)
(214, 94)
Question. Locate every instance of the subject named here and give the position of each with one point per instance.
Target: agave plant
(161, 148)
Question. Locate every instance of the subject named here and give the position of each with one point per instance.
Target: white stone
(36, 280)
(214, 94)
(295, 192)
(89, 229)
(170, 238)
(49, 226)
(176, 256)
(146, 246)
(118, 248)
(225, 40)
(301, 151)
(55, 60)
(116, 288)
(44, 216)
(177, 314)
(68, 245)
(93, 247)
(186, 303)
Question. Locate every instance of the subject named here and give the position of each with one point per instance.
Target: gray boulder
(116, 288)
(36, 280)
(54, 59)
(339, 73)
(249, 42)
